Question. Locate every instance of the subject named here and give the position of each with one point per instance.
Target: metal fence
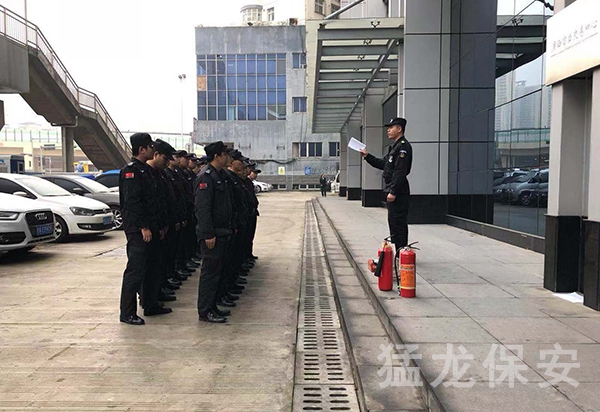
(16, 28)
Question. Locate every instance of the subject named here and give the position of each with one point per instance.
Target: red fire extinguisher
(407, 284)
(383, 266)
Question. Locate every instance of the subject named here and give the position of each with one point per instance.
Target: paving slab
(479, 293)
(62, 347)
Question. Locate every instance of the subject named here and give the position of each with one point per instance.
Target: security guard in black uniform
(187, 182)
(139, 207)
(214, 213)
(396, 167)
(253, 202)
(254, 220)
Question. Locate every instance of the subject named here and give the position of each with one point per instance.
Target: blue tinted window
(281, 82)
(242, 113)
(222, 82)
(222, 98)
(271, 56)
(231, 82)
(252, 66)
(261, 67)
(202, 113)
(241, 97)
(212, 98)
(251, 82)
(241, 83)
(251, 112)
(272, 97)
(231, 67)
(251, 97)
(201, 67)
(241, 66)
(281, 56)
(272, 82)
(221, 67)
(211, 67)
(261, 82)
(271, 67)
(281, 97)
(262, 97)
(231, 99)
(212, 113)
(261, 56)
(222, 113)
(262, 113)
(211, 82)
(202, 98)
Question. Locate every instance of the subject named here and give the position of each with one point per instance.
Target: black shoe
(196, 260)
(184, 272)
(174, 283)
(167, 290)
(222, 312)
(157, 311)
(253, 257)
(212, 317)
(180, 278)
(232, 297)
(238, 286)
(167, 298)
(235, 291)
(241, 281)
(132, 320)
(192, 264)
(226, 303)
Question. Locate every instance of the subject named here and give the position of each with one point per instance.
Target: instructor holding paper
(396, 166)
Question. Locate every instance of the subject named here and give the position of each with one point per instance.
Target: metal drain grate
(323, 376)
(325, 398)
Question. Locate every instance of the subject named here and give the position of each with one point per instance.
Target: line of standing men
(158, 191)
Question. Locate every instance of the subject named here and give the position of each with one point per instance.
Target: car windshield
(41, 187)
(91, 185)
(526, 178)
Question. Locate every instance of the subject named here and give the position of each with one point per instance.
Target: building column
(68, 148)
(1, 114)
(372, 136)
(591, 225)
(353, 165)
(570, 111)
(343, 162)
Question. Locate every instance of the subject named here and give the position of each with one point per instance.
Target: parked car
(262, 187)
(520, 190)
(335, 185)
(109, 179)
(74, 215)
(24, 224)
(89, 188)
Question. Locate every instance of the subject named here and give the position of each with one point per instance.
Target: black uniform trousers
(233, 264)
(398, 220)
(169, 252)
(211, 274)
(251, 234)
(142, 274)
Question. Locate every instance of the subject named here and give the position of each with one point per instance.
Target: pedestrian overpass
(29, 66)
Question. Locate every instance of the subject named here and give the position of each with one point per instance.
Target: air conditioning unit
(303, 66)
(293, 21)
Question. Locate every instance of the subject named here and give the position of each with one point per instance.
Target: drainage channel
(323, 378)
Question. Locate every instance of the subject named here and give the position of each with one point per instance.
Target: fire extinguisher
(407, 282)
(383, 266)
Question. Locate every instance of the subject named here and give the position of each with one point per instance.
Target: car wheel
(525, 199)
(62, 230)
(258, 189)
(116, 210)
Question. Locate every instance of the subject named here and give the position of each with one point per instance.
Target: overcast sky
(129, 52)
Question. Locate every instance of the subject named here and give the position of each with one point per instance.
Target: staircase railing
(16, 28)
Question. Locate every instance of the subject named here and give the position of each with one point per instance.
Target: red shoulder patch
(203, 186)
(129, 175)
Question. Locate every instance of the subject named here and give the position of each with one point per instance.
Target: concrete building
(252, 95)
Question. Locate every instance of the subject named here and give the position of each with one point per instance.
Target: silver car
(89, 188)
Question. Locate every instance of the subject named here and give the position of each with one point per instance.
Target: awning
(345, 58)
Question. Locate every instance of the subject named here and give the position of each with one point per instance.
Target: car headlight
(9, 215)
(80, 211)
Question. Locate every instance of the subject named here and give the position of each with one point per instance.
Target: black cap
(216, 148)
(165, 148)
(249, 163)
(257, 171)
(237, 155)
(201, 159)
(140, 140)
(397, 121)
(180, 153)
(189, 155)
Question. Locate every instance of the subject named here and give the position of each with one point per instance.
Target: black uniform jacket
(214, 211)
(138, 197)
(396, 166)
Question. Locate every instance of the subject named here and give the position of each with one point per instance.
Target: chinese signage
(573, 40)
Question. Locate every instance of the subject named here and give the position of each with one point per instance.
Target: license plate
(44, 229)
(107, 220)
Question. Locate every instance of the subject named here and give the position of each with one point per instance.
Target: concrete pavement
(484, 295)
(63, 348)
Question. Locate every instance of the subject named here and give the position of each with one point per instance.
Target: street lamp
(182, 77)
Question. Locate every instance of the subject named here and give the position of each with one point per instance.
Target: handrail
(24, 32)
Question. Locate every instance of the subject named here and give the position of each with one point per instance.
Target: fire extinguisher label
(407, 279)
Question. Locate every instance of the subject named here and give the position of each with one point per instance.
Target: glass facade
(513, 124)
(242, 87)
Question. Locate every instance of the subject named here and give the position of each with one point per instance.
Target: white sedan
(75, 215)
(24, 224)
(262, 187)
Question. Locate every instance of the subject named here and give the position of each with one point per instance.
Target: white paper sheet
(570, 297)
(355, 144)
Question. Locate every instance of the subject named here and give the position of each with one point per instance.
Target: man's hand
(146, 235)
(363, 152)
(391, 198)
(210, 243)
(177, 226)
